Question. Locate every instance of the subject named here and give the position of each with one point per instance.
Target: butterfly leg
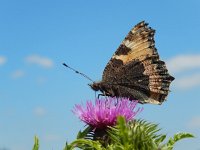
(100, 95)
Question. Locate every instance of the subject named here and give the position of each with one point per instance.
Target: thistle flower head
(105, 111)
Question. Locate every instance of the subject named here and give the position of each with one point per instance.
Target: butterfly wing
(135, 70)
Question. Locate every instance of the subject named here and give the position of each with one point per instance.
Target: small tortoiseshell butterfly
(135, 70)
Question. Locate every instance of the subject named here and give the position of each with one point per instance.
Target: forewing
(136, 70)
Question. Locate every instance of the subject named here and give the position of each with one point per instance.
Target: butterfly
(135, 70)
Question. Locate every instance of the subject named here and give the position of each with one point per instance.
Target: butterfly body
(135, 70)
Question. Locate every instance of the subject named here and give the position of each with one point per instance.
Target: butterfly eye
(95, 86)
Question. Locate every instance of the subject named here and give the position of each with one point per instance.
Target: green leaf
(67, 147)
(123, 131)
(137, 134)
(178, 137)
(160, 139)
(132, 135)
(86, 144)
(36, 143)
(84, 133)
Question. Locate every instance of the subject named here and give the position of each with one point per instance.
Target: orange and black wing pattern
(135, 70)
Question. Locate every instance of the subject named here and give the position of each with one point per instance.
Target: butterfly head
(96, 86)
(104, 88)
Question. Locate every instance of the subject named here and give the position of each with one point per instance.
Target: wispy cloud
(186, 69)
(187, 82)
(3, 60)
(39, 60)
(182, 63)
(194, 123)
(40, 111)
(17, 74)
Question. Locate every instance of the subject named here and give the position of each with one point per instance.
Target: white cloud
(187, 82)
(18, 74)
(2, 60)
(40, 111)
(182, 63)
(39, 60)
(194, 122)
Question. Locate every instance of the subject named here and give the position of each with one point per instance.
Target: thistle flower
(105, 111)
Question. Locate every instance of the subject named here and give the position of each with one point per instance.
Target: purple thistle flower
(105, 111)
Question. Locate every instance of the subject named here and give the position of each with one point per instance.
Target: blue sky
(37, 93)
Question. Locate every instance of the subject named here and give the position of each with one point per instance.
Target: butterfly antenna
(78, 72)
